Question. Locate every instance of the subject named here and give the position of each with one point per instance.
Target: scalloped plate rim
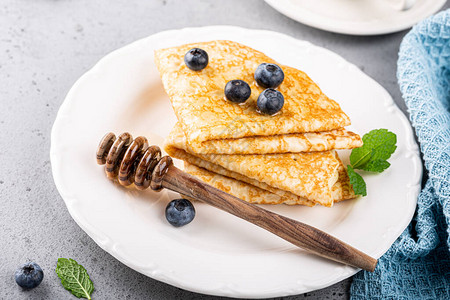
(320, 22)
(103, 240)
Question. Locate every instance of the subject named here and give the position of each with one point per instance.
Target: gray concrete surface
(45, 45)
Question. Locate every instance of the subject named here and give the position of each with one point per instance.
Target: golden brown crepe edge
(251, 126)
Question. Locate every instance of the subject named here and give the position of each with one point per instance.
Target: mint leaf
(382, 142)
(74, 278)
(377, 165)
(361, 157)
(378, 145)
(357, 182)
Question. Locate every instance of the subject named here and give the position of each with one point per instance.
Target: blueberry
(29, 275)
(237, 91)
(196, 59)
(269, 75)
(270, 101)
(180, 212)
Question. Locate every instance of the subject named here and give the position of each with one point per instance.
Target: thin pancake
(248, 192)
(313, 176)
(194, 160)
(282, 143)
(199, 103)
(241, 189)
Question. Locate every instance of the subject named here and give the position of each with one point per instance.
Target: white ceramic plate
(218, 253)
(358, 17)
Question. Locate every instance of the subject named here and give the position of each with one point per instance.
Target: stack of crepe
(285, 158)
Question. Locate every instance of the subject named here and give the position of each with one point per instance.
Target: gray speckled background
(45, 45)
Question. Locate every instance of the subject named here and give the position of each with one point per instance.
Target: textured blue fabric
(417, 266)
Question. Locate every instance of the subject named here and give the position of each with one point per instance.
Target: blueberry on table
(29, 275)
(180, 212)
(269, 75)
(237, 91)
(270, 101)
(196, 59)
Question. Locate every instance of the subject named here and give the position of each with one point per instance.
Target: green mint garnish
(74, 278)
(377, 165)
(357, 182)
(378, 146)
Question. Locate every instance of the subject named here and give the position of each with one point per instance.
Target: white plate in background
(217, 253)
(358, 17)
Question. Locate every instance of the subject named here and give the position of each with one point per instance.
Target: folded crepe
(205, 115)
(284, 158)
(253, 194)
(243, 190)
(300, 178)
(281, 143)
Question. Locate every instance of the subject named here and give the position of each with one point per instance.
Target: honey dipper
(134, 161)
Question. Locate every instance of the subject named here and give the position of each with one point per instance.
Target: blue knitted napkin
(417, 266)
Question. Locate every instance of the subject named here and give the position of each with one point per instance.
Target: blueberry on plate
(180, 212)
(269, 75)
(237, 91)
(29, 275)
(196, 59)
(270, 102)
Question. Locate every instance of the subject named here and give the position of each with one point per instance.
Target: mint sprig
(357, 182)
(74, 278)
(378, 146)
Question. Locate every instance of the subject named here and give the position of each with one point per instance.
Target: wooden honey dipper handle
(129, 159)
(295, 232)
